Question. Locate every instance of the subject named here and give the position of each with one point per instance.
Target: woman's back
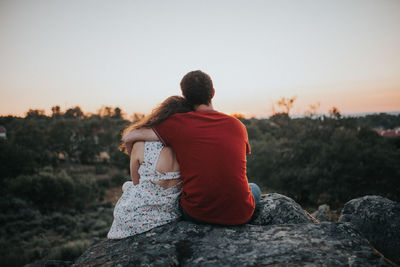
(165, 162)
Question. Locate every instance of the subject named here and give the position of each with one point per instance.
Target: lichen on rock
(280, 234)
(278, 209)
(187, 244)
(378, 219)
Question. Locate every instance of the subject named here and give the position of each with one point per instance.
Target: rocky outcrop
(278, 209)
(378, 219)
(187, 244)
(321, 213)
(266, 240)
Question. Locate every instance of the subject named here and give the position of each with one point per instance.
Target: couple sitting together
(186, 159)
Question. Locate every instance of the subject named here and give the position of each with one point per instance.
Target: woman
(151, 199)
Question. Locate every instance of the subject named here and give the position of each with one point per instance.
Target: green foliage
(74, 113)
(322, 160)
(28, 235)
(50, 191)
(381, 120)
(100, 169)
(69, 251)
(15, 160)
(68, 137)
(53, 212)
(118, 179)
(120, 160)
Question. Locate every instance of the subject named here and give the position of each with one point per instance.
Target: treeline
(39, 140)
(380, 121)
(325, 159)
(314, 159)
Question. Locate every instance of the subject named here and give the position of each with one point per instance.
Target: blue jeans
(255, 191)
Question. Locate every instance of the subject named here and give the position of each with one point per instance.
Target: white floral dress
(146, 205)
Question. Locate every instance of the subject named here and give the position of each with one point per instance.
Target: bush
(46, 190)
(15, 160)
(100, 169)
(11, 255)
(119, 159)
(86, 191)
(55, 191)
(118, 179)
(69, 251)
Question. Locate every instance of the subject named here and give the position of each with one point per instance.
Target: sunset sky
(133, 54)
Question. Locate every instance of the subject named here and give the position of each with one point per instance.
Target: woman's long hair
(169, 107)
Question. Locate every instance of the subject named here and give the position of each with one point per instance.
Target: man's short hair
(197, 88)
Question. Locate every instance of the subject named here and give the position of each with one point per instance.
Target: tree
(335, 113)
(74, 113)
(35, 114)
(60, 134)
(313, 108)
(105, 111)
(117, 113)
(286, 104)
(56, 111)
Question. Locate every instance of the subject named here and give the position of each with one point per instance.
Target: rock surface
(322, 213)
(266, 240)
(278, 209)
(187, 244)
(378, 219)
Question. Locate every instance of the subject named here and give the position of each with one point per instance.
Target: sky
(133, 54)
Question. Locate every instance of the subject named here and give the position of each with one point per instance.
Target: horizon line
(238, 114)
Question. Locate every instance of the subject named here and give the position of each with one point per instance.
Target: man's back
(211, 150)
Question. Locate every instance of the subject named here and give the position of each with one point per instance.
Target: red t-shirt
(211, 150)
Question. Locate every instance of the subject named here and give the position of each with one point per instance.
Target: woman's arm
(136, 159)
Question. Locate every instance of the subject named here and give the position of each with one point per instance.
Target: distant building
(3, 132)
(389, 133)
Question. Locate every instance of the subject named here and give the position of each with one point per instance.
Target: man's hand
(129, 146)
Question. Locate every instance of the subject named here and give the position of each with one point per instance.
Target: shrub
(100, 169)
(69, 251)
(48, 191)
(55, 191)
(119, 178)
(15, 160)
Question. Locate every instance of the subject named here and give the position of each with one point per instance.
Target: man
(211, 149)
